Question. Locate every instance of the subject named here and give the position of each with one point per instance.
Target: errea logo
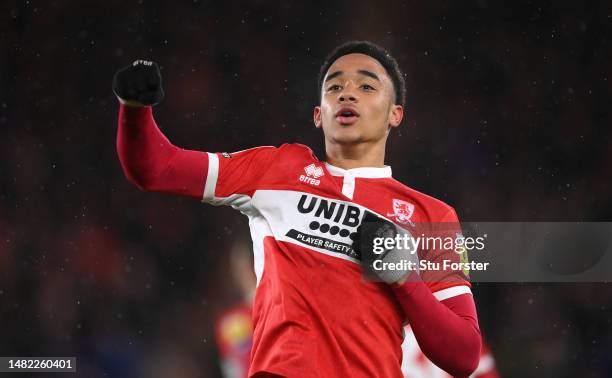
(312, 174)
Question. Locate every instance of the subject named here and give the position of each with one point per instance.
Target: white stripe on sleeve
(211, 178)
(452, 292)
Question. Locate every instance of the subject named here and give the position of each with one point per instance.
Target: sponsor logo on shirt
(313, 172)
(332, 227)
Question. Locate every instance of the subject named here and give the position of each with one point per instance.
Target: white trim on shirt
(211, 178)
(452, 292)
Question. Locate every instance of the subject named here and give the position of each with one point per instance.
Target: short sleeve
(448, 277)
(233, 177)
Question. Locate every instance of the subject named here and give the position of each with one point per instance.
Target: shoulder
(296, 148)
(283, 158)
(251, 151)
(294, 153)
(284, 149)
(436, 210)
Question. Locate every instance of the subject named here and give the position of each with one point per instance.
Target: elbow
(136, 170)
(138, 182)
(143, 167)
(137, 177)
(144, 183)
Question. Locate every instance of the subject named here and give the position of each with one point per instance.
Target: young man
(313, 313)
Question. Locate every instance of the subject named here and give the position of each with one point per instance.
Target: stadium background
(507, 118)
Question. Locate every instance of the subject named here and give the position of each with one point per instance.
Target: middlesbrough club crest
(402, 211)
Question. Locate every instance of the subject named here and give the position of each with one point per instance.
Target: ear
(396, 114)
(317, 116)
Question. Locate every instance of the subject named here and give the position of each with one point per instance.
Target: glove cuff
(130, 103)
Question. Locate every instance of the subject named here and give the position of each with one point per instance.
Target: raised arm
(149, 160)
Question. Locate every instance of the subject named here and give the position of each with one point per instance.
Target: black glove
(373, 254)
(139, 84)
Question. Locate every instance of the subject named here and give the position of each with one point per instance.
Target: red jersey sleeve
(151, 162)
(444, 329)
(234, 177)
(443, 254)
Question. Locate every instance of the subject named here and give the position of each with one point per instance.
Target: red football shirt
(313, 313)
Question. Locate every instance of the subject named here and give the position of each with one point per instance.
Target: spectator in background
(234, 327)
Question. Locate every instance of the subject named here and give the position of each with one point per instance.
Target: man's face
(357, 101)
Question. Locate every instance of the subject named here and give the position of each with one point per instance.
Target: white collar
(365, 172)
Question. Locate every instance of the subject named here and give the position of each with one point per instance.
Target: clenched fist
(139, 84)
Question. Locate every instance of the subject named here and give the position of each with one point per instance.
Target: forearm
(151, 162)
(447, 331)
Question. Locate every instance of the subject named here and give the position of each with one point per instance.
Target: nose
(347, 94)
(347, 98)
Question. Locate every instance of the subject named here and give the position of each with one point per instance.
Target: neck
(358, 155)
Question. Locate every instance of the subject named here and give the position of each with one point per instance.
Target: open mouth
(347, 116)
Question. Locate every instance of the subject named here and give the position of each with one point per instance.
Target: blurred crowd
(507, 119)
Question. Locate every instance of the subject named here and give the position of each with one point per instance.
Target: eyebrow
(363, 72)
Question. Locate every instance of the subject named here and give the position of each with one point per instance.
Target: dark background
(507, 119)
